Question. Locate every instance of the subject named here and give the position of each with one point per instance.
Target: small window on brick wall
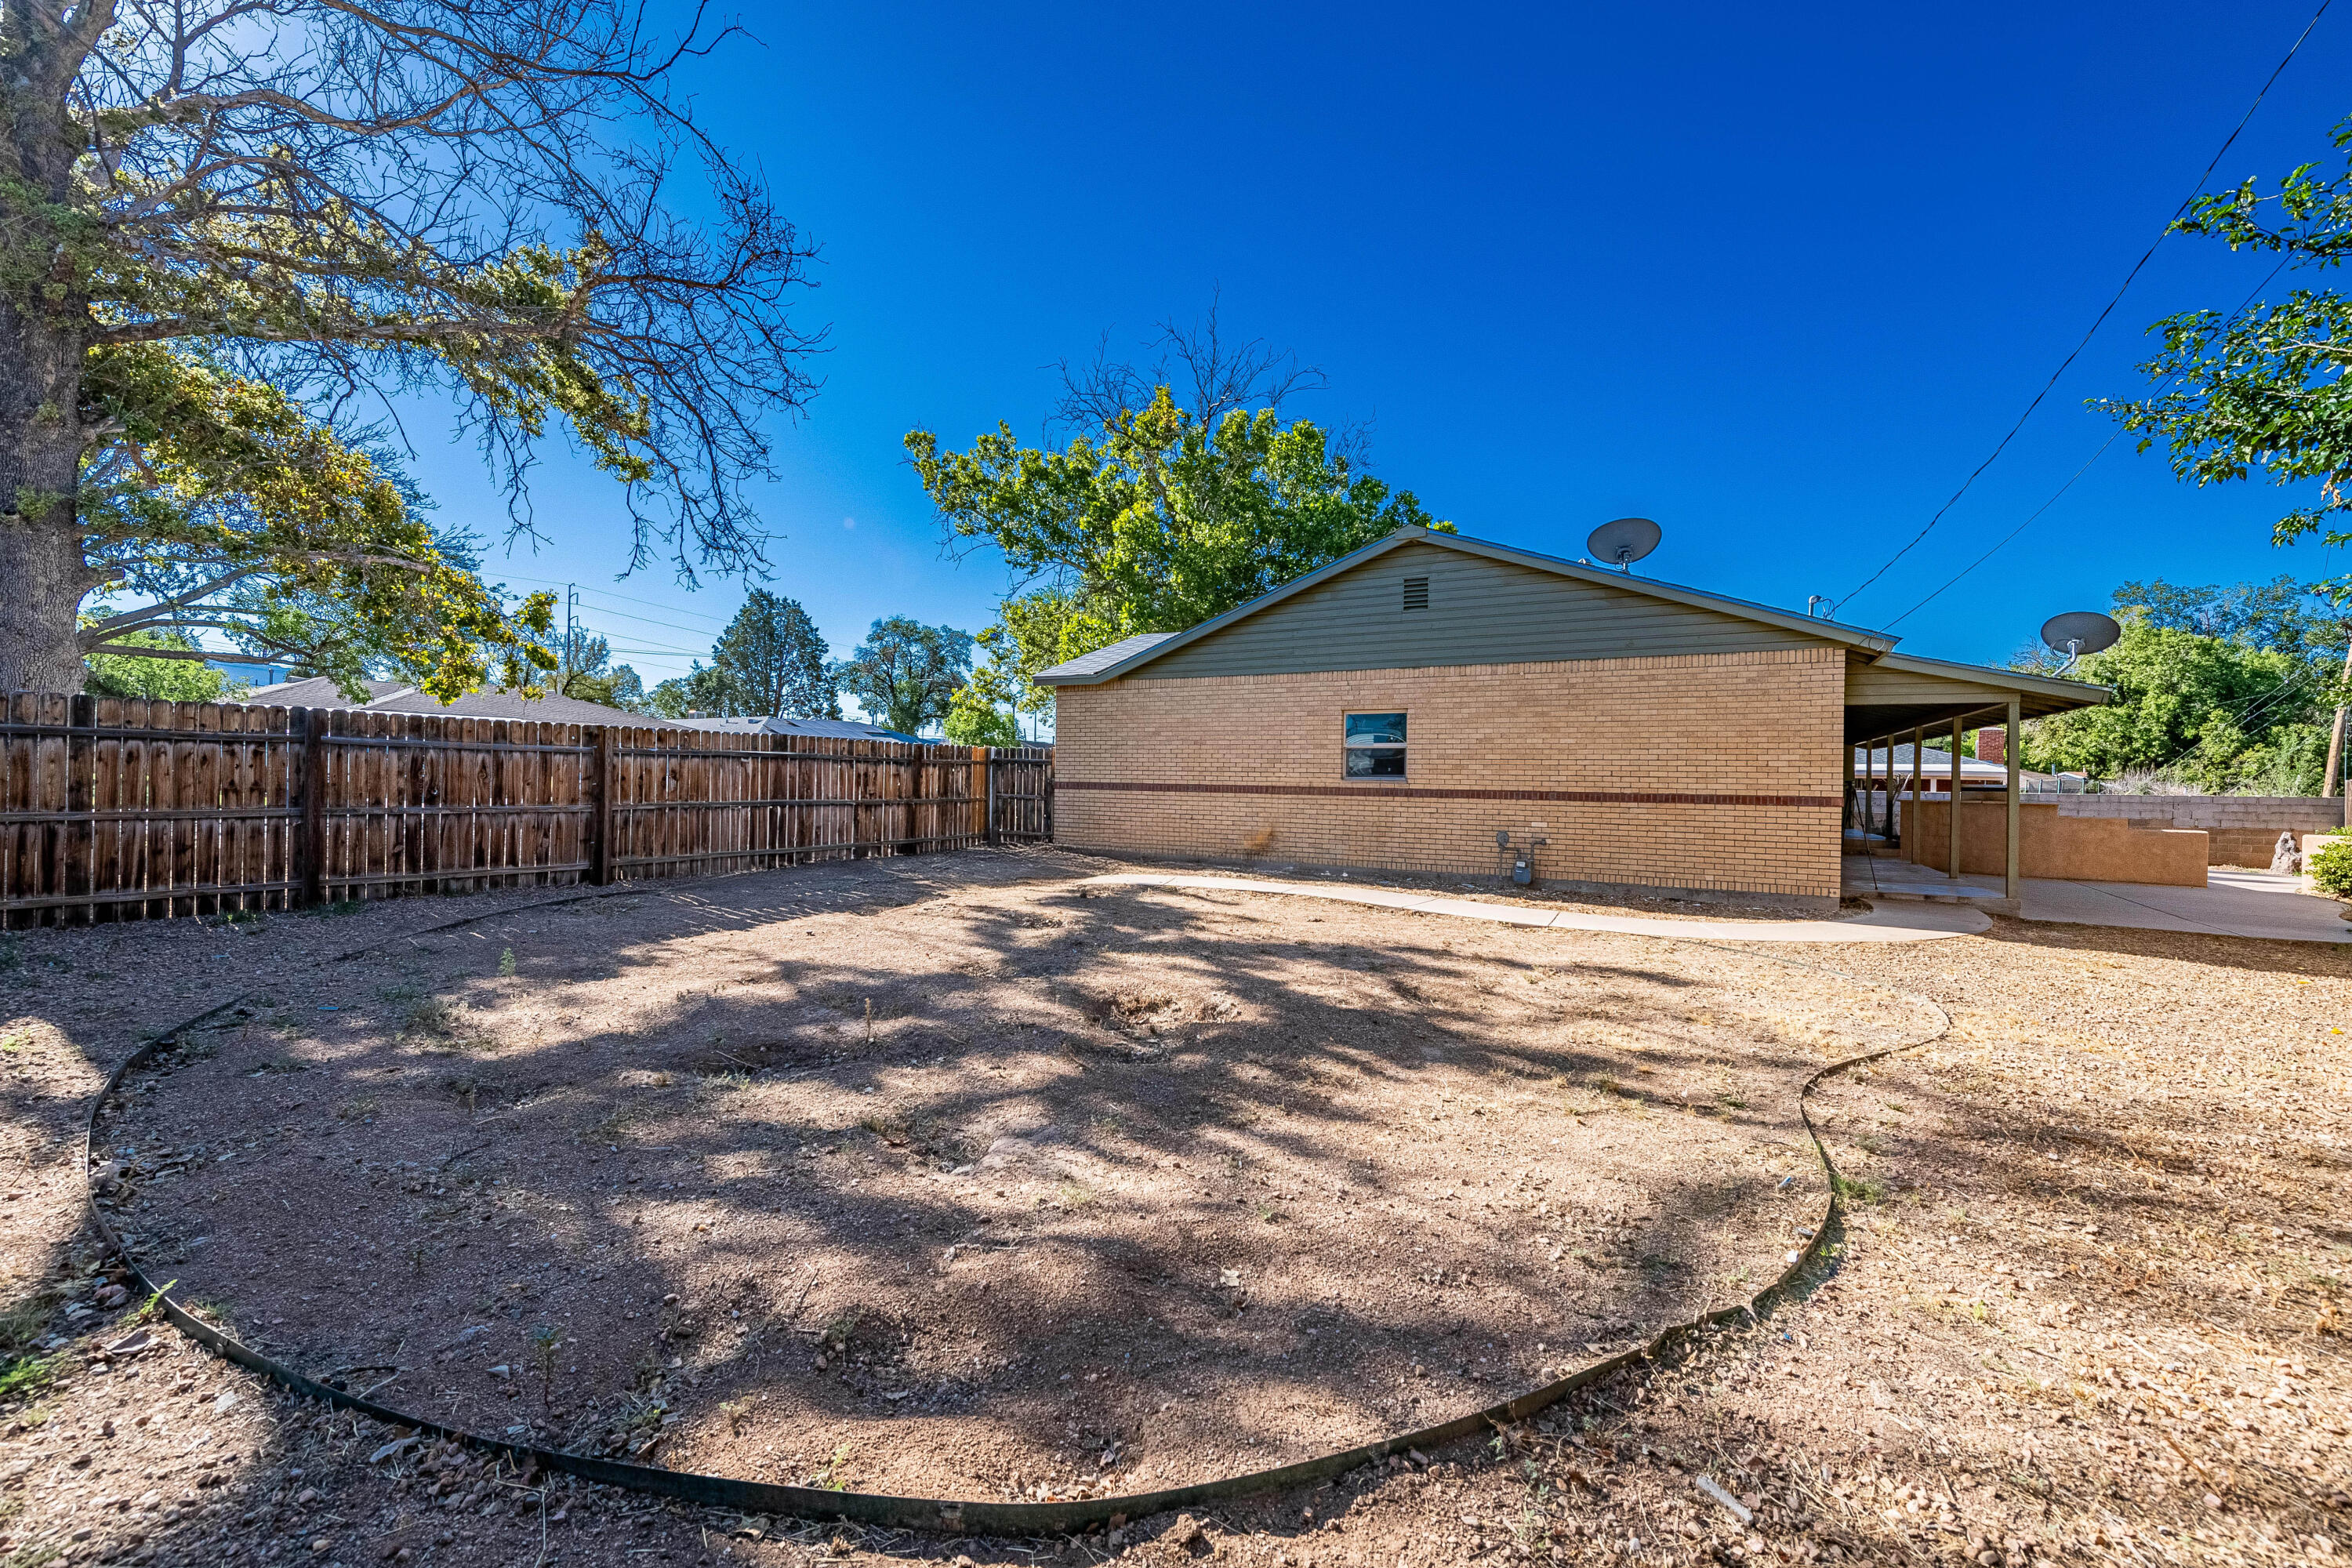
(1416, 593)
(1374, 744)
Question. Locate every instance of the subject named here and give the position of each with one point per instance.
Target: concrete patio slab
(2261, 904)
(2266, 904)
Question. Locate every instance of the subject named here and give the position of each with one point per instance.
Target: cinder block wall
(2241, 829)
(1709, 773)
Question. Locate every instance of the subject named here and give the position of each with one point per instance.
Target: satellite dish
(1624, 541)
(2079, 632)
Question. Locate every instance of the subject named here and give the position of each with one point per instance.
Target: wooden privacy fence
(119, 809)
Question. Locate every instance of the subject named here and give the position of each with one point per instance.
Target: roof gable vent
(1416, 593)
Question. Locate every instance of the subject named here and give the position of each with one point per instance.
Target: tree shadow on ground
(1061, 1206)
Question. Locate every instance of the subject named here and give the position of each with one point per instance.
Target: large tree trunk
(44, 340)
(43, 573)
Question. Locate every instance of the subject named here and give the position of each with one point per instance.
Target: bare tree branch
(1210, 376)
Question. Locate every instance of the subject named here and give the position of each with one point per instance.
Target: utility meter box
(1518, 846)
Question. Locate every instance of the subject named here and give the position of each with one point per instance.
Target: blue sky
(1776, 278)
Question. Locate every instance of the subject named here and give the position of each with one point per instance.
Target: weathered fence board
(123, 809)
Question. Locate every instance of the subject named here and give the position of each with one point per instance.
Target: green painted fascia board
(2081, 693)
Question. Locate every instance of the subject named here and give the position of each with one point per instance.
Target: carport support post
(1952, 800)
(1870, 774)
(1912, 850)
(1869, 792)
(2009, 751)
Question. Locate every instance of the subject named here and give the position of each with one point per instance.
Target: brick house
(1399, 708)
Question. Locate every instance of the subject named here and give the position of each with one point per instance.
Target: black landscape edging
(971, 1517)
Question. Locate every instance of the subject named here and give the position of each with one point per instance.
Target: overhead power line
(644, 620)
(2002, 543)
(2106, 310)
(607, 594)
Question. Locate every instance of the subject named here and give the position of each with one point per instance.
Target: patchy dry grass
(2094, 1308)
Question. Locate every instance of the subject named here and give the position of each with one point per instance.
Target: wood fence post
(600, 856)
(78, 835)
(314, 805)
(988, 763)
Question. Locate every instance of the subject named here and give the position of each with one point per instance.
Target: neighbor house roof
(1933, 764)
(318, 691)
(832, 729)
(400, 697)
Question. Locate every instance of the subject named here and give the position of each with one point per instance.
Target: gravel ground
(2087, 1303)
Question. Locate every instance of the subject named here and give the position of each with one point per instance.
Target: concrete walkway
(2262, 904)
(2231, 903)
(1893, 922)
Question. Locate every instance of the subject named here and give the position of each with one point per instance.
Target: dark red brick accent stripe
(1390, 791)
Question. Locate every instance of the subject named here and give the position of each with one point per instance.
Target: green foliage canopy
(585, 672)
(2248, 711)
(986, 708)
(230, 239)
(221, 503)
(774, 661)
(904, 673)
(770, 661)
(165, 680)
(2261, 387)
(1155, 522)
(702, 691)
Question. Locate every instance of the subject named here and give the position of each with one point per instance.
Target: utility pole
(2329, 785)
(563, 665)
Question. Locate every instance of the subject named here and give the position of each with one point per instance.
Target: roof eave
(1860, 638)
(1874, 644)
(2087, 693)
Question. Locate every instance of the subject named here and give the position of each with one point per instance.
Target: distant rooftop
(400, 697)
(1936, 764)
(832, 729)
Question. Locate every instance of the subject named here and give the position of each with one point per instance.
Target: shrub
(2331, 869)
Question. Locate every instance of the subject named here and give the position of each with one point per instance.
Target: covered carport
(1895, 697)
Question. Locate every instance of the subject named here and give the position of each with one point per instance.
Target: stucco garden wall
(2052, 843)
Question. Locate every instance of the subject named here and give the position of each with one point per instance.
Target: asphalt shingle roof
(1104, 657)
(399, 697)
(832, 729)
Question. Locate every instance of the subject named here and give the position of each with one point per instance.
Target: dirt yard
(952, 1176)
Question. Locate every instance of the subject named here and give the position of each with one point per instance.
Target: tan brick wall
(1752, 742)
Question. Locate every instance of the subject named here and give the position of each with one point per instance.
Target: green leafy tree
(904, 673)
(215, 502)
(166, 678)
(988, 707)
(985, 709)
(700, 693)
(228, 235)
(585, 672)
(774, 661)
(2261, 388)
(1156, 517)
(2216, 713)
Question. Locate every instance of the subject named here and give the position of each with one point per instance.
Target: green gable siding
(1480, 611)
(1872, 686)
